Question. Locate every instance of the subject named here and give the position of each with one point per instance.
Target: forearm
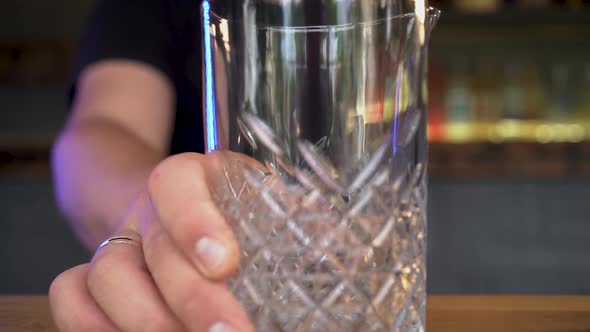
(99, 169)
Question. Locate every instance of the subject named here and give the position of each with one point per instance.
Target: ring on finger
(119, 239)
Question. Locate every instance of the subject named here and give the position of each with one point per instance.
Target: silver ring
(118, 239)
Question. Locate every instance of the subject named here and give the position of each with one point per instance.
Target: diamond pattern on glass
(316, 258)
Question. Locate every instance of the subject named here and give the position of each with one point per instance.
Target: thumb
(182, 202)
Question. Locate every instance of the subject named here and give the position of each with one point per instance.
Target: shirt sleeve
(139, 30)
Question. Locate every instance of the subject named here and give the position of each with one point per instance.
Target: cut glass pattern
(322, 252)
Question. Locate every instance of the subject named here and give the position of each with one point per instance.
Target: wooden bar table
(497, 313)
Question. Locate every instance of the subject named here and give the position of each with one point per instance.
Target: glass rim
(431, 13)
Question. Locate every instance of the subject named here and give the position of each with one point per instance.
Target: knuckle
(64, 281)
(162, 170)
(155, 176)
(192, 305)
(151, 246)
(194, 301)
(172, 166)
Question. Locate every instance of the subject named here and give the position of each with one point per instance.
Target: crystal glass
(315, 113)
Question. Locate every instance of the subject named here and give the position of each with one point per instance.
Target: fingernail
(211, 253)
(221, 327)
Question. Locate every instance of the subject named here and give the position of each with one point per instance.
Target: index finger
(180, 194)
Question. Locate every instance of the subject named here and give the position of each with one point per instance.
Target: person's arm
(119, 130)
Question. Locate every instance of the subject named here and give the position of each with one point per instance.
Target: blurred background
(509, 158)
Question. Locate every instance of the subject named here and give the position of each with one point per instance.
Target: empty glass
(315, 113)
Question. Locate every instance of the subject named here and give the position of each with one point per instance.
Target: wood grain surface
(445, 314)
(25, 314)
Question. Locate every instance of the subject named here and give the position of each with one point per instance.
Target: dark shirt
(165, 34)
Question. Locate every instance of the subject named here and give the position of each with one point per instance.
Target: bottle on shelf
(579, 126)
(534, 99)
(459, 103)
(582, 107)
(560, 93)
(485, 88)
(512, 92)
(436, 94)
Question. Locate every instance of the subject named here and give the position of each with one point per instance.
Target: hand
(174, 279)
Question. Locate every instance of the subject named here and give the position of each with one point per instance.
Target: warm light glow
(544, 133)
(508, 129)
(459, 132)
(514, 130)
(577, 133)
